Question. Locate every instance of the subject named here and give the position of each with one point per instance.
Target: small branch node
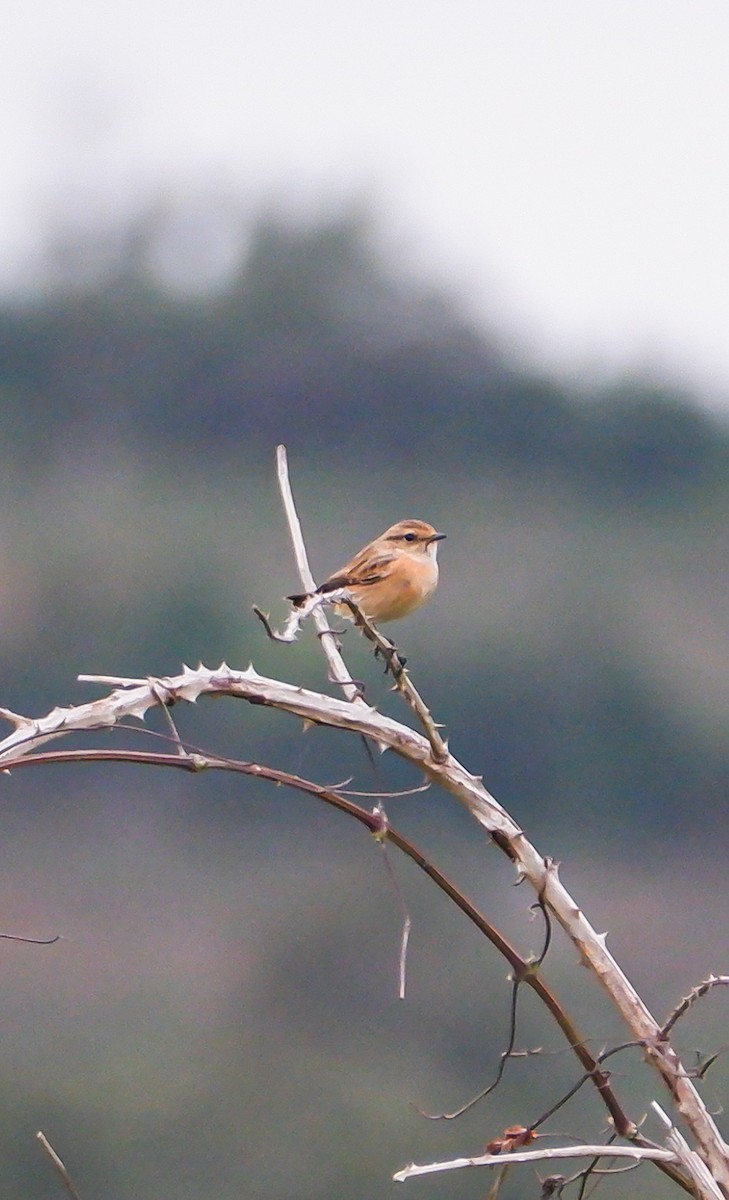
(381, 831)
(290, 630)
(16, 719)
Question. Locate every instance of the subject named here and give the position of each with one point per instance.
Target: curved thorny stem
(428, 754)
(524, 971)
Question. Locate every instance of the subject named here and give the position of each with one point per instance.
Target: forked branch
(133, 698)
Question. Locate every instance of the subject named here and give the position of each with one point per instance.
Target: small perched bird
(390, 577)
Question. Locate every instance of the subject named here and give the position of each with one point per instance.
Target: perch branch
(403, 683)
(314, 607)
(135, 698)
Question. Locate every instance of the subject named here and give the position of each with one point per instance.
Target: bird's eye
(409, 537)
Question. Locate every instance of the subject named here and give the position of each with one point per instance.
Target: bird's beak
(436, 537)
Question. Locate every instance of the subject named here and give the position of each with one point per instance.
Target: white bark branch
(648, 1153)
(337, 666)
(134, 699)
(704, 1185)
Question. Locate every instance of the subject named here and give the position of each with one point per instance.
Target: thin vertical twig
(58, 1164)
(328, 637)
(339, 672)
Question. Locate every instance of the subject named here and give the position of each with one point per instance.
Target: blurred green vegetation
(582, 610)
(225, 1016)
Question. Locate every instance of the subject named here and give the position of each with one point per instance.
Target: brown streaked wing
(346, 578)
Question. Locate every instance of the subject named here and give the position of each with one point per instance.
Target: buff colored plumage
(391, 576)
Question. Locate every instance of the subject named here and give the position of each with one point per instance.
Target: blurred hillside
(582, 611)
(313, 339)
(575, 650)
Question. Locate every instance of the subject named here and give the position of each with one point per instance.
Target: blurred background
(469, 263)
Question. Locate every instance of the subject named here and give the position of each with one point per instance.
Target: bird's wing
(358, 573)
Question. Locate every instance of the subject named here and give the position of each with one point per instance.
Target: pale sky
(562, 164)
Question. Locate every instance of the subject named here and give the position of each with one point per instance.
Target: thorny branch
(403, 683)
(688, 1001)
(644, 1154)
(658, 1049)
(523, 970)
(133, 698)
(314, 608)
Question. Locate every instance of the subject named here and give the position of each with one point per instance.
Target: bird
(389, 577)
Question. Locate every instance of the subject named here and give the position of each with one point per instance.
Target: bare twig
(196, 760)
(136, 697)
(688, 1001)
(645, 1154)
(413, 791)
(133, 698)
(313, 607)
(382, 837)
(403, 683)
(16, 937)
(168, 717)
(503, 1059)
(328, 637)
(58, 1164)
(706, 1187)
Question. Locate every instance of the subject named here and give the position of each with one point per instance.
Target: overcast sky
(564, 164)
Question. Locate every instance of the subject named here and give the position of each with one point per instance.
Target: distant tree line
(315, 340)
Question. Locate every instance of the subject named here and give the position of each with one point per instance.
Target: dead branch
(702, 989)
(196, 760)
(314, 607)
(133, 698)
(337, 668)
(58, 1165)
(705, 1186)
(639, 1153)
